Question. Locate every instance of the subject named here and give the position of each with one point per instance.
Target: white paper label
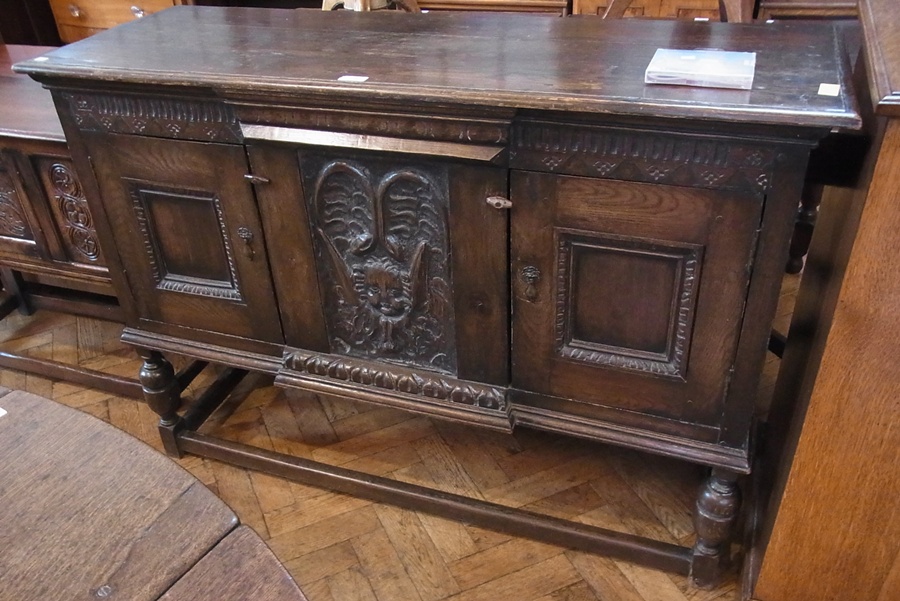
(353, 78)
(829, 89)
(2, 411)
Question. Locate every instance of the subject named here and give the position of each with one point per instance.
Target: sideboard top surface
(27, 109)
(584, 65)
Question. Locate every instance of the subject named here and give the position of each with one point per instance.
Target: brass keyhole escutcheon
(530, 276)
(246, 235)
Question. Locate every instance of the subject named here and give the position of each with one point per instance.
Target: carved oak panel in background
(69, 209)
(12, 217)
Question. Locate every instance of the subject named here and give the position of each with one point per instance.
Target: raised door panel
(628, 296)
(188, 233)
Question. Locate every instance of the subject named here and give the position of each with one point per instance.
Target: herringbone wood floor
(340, 548)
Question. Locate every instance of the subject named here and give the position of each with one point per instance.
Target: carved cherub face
(384, 286)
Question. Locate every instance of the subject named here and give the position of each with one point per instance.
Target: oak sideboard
(485, 218)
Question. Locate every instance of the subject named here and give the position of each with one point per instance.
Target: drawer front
(102, 14)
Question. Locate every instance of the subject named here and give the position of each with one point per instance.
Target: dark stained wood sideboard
(486, 218)
(45, 225)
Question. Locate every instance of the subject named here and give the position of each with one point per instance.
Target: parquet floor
(340, 548)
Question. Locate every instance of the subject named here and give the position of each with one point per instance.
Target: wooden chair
(410, 6)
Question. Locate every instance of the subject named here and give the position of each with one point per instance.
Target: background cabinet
(664, 9)
(78, 19)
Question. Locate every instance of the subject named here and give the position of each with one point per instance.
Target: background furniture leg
(714, 514)
(13, 284)
(163, 395)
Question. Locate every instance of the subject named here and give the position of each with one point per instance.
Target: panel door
(409, 261)
(628, 296)
(187, 229)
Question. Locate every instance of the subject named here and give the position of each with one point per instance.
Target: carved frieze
(413, 383)
(672, 361)
(676, 159)
(77, 225)
(382, 243)
(12, 218)
(180, 118)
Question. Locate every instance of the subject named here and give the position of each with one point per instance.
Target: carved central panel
(383, 257)
(12, 219)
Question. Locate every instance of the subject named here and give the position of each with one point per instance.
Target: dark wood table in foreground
(89, 512)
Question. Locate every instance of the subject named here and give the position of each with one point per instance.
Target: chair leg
(616, 9)
(736, 11)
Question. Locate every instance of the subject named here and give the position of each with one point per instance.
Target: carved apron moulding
(417, 384)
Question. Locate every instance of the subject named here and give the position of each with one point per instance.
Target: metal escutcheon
(530, 276)
(246, 235)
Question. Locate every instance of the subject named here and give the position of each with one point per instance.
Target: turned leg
(810, 199)
(714, 515)
(163, 396)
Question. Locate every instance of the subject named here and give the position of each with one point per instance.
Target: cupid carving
(386, 246)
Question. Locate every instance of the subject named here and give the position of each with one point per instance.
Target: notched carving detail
(643, 156)
(140, 192)
(162, 117)
(426, 385)
(78, 223)
(672, 362)
(383, 238)
(12, 218)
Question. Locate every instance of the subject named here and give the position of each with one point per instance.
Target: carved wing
(345, 208)
(344, 214)
(412, 212)
(414, 223)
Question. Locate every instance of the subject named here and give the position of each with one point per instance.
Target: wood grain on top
(516, 61)
(90, 512)
(26, 109)
(881, 36)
